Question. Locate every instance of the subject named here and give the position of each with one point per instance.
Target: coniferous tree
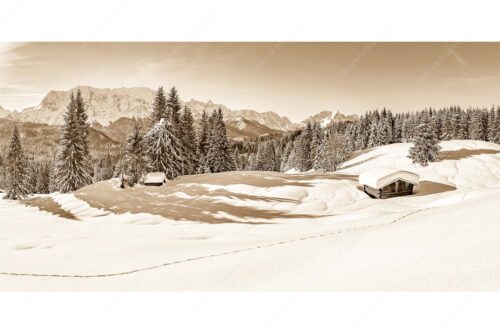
(252, 162)
(17, 184)
(286, 156)
(174, 108)
(219, 157)
(163, 150)
(135, 159)
(446, 126)
(425, 147)
(159, 108)
(43, 177)
(267, 159)
(490, 135)
(494, 130)
(463, 126)
(398, 127)
(316, 135)
(238, 164)
(476, 127)
(203, 136)
(189, 142)
(83, 127)
(374, 138)
(302, 149)
(72, 168)
(334, 152)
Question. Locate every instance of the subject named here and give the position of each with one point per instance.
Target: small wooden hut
(385, 183)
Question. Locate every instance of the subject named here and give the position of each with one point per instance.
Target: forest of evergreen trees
(325, 148)
(175, 144)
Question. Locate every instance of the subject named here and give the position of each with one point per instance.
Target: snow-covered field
(269, 231)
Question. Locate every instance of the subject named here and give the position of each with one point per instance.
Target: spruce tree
(266, 157)
(315, 141)
(446, 126)
(476, 127)
(159, 108)
(491, 128)
(425, 147)
(163, 150)
(17, 184)
(189, 143)
(374, 138)
(72, 168)
(174, 108)
(219, 157)
(203, 136)
(83, 126)
(135, 159)
(334, 152)
(302, 148)
(463, 126)
(494, 127)
(43, 177)
(286, 156)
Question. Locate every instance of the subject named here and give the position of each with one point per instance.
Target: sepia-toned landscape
(250, 166)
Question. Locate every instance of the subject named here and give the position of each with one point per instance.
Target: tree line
(326, 148)
(173, 143)
(170, 144)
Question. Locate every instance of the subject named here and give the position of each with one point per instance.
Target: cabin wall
(395, 189)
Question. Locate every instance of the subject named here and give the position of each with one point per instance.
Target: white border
(225, 20)
(257, 20)
(250, 312)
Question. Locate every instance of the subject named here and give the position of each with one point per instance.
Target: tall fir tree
(334, 151)
(72, 168)
(425, 147)
(159, 108)
(219, 157)
(189, 142)
(446, 126)
(302, 148)
(163, 150)
(16, 167)
(476, 127)
(203, 136)
(135, 161)
(267, 159)
(174, 109)
(463, 126)
(494, 131)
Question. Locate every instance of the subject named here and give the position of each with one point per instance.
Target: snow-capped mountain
(269, 119)
(105, 106)
(325, 118)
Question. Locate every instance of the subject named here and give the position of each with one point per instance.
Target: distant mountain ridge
(325, 118)
(107, 105)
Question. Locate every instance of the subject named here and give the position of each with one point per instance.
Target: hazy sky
(293, 79)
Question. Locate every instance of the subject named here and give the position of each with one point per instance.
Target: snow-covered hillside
(269, 231)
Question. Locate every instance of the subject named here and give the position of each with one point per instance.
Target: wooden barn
(385, 183)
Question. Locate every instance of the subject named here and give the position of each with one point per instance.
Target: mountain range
(111, 107)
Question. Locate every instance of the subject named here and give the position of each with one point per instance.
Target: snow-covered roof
(155, 177)
(380, 177)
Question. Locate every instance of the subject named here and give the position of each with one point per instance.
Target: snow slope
(270, 231)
